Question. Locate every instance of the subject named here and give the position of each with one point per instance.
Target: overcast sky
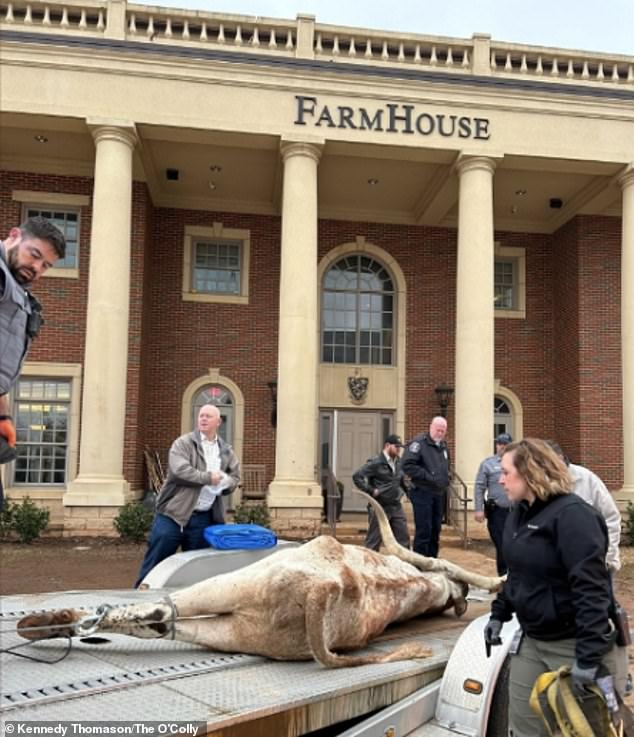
(572, 24)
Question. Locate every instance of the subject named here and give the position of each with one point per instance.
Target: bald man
(426, 461)
(202, 469)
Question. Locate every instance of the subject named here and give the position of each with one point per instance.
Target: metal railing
(457, 502)
(333, 499)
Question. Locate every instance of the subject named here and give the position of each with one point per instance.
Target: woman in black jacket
(558, 584)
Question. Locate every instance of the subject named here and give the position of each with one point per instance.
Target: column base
(97, 491)
(295, 507)
(624, 495)
(297, 493)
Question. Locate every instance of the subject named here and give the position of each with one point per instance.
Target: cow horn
(439, 565)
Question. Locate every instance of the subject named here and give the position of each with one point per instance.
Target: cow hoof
(47, 624)
(460, 607)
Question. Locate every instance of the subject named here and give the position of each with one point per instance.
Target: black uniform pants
(429, 508)
(496, 519)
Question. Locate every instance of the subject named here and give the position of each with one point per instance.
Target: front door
(348, 439)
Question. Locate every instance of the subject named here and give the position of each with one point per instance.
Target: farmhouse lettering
(391, 118)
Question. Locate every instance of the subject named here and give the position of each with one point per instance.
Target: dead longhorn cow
(321, 600)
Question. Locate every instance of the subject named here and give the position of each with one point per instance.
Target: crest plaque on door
(358, 388)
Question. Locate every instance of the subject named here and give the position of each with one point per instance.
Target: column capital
(626, 177)
(111, 130)
(468, 162)
(301, 147)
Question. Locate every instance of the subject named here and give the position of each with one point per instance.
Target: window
(504, 284)
(67, 220)
(221, 398)
(357, 312)
(509, 282)
(216, 264)
(42, 411)
(216, 267)
(502, 417)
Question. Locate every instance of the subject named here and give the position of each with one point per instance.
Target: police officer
(426, 462)
(490, 498)
(25, 256)
(382, 478)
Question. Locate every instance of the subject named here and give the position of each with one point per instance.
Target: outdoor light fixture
(272, 385)
(444, 392)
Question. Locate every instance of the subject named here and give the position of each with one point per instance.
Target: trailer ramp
(119, 678)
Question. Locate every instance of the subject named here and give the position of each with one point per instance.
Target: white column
(474, 316)
(626, 494)
(296, 436)
(100, 481)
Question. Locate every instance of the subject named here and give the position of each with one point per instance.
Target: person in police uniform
(426, 462)
(490, 498)
(382, 478)
(25, 256)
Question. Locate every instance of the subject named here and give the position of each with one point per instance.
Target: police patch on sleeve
(414, 447)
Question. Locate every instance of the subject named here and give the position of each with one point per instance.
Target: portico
(486, 206)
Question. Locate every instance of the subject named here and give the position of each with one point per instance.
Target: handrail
(333, 495)
(457, 506)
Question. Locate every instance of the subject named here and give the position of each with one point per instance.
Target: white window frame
(193, 234)
(516, 256)
(54, 371)
(47, 201)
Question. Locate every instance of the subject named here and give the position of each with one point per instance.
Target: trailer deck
(118, 678)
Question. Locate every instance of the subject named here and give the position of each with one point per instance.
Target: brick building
(263, 212)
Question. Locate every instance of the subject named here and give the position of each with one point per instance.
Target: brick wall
(563, 360)
(523, 348)
(185, 339)
(600, 403)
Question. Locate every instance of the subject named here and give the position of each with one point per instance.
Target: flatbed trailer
(115, 678)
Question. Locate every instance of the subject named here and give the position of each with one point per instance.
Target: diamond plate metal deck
(132, 679)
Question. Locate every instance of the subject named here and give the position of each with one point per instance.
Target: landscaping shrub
(28, 520)
(629, 523)
(133, 521)
(254, 514)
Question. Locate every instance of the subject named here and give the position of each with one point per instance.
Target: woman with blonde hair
(558, 584)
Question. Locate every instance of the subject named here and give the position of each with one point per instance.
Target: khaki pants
(536, 657)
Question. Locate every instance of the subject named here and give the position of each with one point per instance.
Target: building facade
(312, 227)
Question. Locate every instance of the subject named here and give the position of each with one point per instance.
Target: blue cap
(503, 438)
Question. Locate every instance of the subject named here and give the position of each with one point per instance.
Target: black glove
(492, 634)
(583, 678)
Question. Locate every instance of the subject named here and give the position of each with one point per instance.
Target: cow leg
(149, 620)
(44, 625)
(220, 595)
(319, 610)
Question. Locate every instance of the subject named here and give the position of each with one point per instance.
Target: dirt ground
(53, 564)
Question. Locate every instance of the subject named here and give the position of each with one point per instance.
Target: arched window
(222, 398)
(357, 312)
(502, 417)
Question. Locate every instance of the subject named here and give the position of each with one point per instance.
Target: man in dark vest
(25, 256)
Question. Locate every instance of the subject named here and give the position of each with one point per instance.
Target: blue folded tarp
(239, 537)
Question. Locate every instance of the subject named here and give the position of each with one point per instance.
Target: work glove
(583, 678)
(7, 430)
(492, 634)
(7, 440)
